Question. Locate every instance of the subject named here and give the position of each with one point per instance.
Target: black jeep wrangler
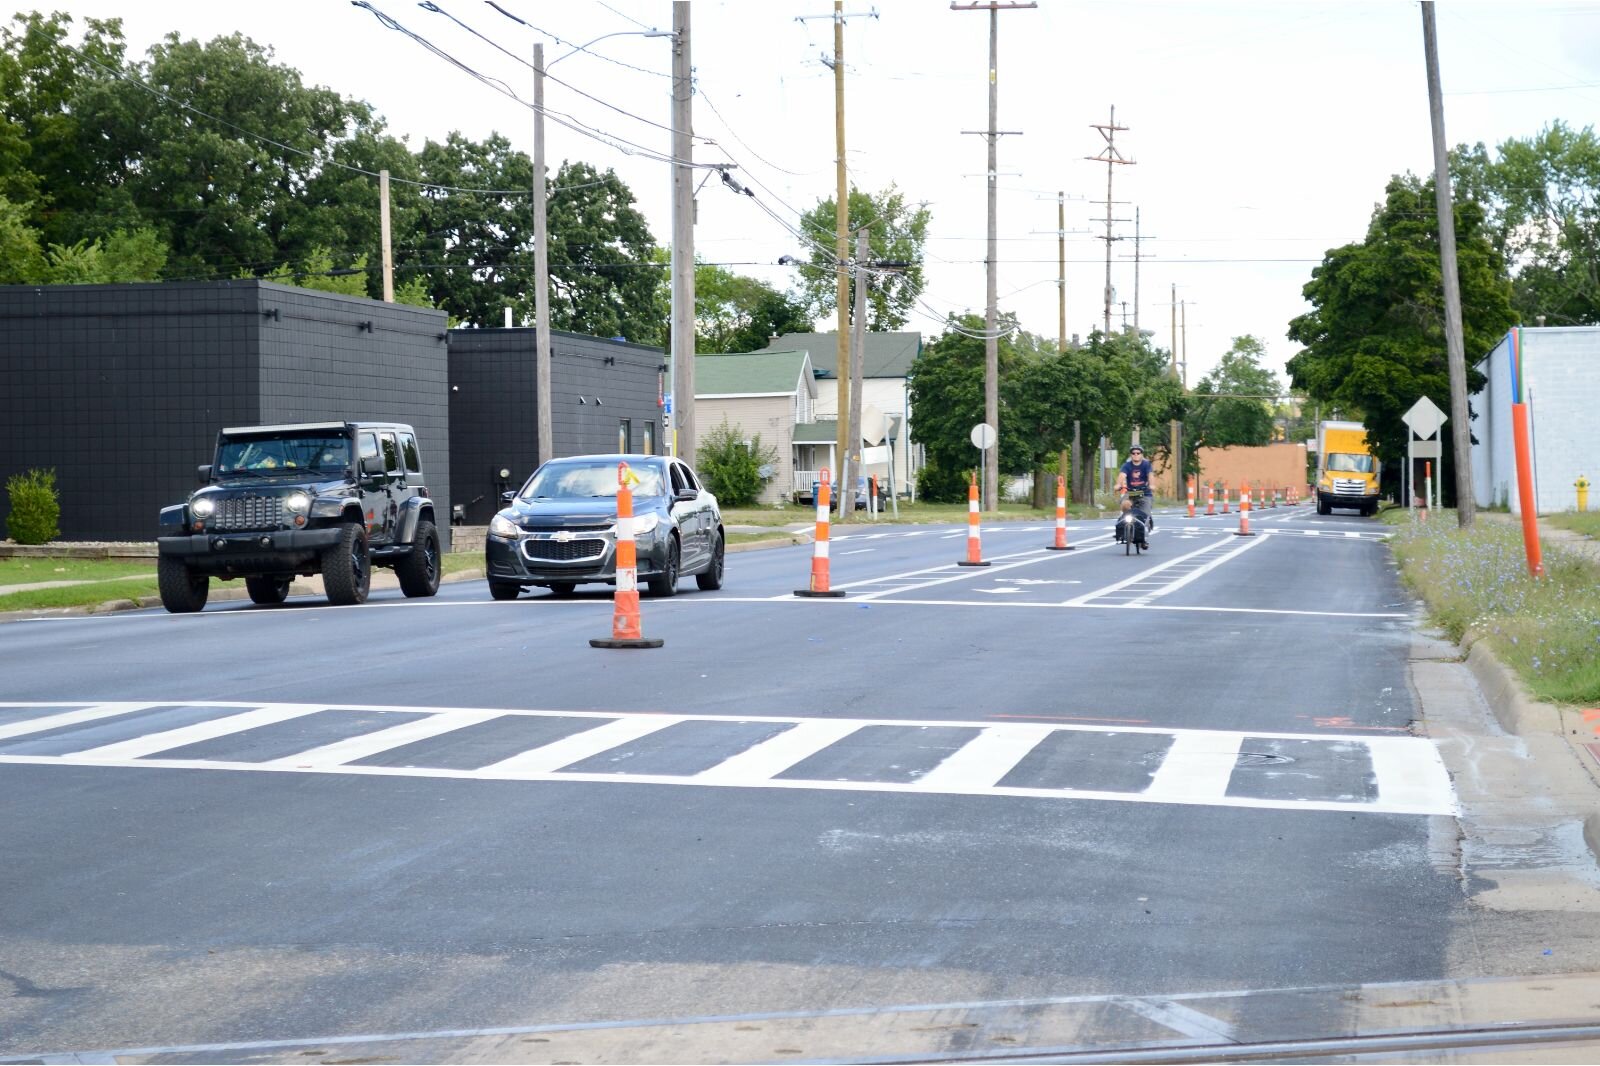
(329, 498)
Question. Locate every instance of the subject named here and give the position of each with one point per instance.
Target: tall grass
(1476, 582)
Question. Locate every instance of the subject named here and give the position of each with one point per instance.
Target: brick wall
(1272, 464)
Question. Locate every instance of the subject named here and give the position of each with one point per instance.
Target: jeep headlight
(204, 507)
(297, 502)
(501, 526)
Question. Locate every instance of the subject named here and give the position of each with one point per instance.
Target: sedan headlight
(204, 507)
(645, 524)
(298, 502)
(501, 526)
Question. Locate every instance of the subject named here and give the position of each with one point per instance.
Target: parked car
(559, 530)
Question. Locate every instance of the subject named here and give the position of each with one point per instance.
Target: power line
(575, 47)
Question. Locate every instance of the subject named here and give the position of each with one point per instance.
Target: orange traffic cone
(1191, 497)
(625, 627)
(1224, 497)
(1211, 497)
(1244, 510)
(974, 549)
(819, 551)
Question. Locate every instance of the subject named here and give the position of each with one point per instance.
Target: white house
(1561, 388)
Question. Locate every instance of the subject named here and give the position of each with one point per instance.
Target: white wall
(1561, 385)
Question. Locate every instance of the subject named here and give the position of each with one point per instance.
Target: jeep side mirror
(203, 471)
(372, 465)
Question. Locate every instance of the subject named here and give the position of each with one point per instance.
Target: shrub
(938, 484)
(731, 466)
(35, 508)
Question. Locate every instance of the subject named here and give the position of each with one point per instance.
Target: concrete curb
(784, 541)
(1518, 712)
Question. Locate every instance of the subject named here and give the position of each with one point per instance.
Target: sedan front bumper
(542, 558)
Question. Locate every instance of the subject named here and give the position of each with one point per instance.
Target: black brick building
(604, 398)
(122, 388)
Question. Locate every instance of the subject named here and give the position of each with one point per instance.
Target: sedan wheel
(666, 583)
(710, 578)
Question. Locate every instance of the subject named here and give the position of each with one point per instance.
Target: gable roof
(822, 431)
(763, 373)
(884, 355)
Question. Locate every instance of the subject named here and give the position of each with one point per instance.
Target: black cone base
(966, 563)
(626, 642)
(809, 594)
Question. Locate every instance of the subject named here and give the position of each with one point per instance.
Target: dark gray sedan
(559, 530)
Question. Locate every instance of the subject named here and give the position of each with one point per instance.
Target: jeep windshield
(259, 456)
(583, 481)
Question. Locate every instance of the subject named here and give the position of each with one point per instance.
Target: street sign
(983, 436)
(1424, 418)
(1426, 449)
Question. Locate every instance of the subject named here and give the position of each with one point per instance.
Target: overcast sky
(1261, 133)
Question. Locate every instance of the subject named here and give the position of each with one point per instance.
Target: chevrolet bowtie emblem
(563, 536)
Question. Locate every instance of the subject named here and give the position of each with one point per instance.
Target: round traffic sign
(983, 436)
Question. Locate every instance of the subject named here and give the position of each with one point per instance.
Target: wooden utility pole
(1460, 427)
(841, 253)
(1112, 159)
(383, 226)
(541, 271)
(858, 338)
(683, 422)
(991, 338)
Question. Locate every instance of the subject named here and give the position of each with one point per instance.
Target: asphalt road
(1065, 774)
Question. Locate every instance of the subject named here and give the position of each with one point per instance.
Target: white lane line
(549, 758)
(1197, 765)
(985, 759)
(359, 747)
(264, 714)
(950, 572)
(1406, 777)
(859, 551)
(1206, 568)
(776, 754)
(57, 721)
(1179, 1018)
(1143, 575)
(487, 773)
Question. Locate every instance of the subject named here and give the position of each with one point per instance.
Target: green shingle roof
(823, 432)
(884, 355)
(764, 373)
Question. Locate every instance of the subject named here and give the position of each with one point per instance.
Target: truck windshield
(309, 451)
(1350, 464)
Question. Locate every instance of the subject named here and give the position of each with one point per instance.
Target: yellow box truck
(1347, 469)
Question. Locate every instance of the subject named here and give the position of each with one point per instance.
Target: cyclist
(1134, 479)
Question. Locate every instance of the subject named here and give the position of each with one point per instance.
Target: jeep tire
(268, 589)
(182, 590)
(347, 568)
(419, 571)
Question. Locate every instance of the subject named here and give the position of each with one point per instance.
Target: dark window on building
(625, 435)
(649, 438)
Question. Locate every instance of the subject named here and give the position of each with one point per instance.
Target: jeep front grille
(248, 513)
(563, 551)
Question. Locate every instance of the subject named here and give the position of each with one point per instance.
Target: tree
(21, 262)
(736, 313)
(603, 261)
(896, 233)
(732, 465)
(1374, 340)
(1541, 197)
(1234, 404)
(946, 391)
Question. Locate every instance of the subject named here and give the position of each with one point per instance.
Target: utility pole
(857, 362)
(683, 423)
(991, 339)
(1112, 159)
(1460, 429)
(1136, 239)
(1070, 460)
(383, 226)
(541, 271)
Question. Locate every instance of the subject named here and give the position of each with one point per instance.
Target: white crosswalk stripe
(1141, 764)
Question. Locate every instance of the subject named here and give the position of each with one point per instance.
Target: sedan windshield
(313, 451)
(573, 481)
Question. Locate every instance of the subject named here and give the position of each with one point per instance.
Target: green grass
(79, 595)
(1586, 522)
(777, 536)
(1476, 581)
(457, 562)
(21, 571)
